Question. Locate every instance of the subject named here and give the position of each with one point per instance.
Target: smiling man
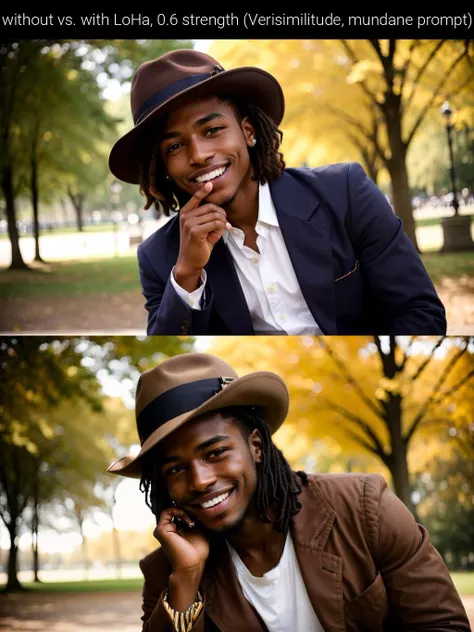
(248, 544)
(255, 247)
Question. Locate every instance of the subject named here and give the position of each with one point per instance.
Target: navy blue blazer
(357, 269)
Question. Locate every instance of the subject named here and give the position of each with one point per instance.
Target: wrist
(187, 277)
(183, 588)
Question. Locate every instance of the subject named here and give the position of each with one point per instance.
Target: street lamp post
(446, 111)
(456, 229)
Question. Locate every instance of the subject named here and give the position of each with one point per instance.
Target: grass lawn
(96, 585)
(120, 274)
(464, 582)
(72, 278)
(453, 265)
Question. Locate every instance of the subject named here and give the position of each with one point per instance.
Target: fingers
(197, 197)
(168, 520)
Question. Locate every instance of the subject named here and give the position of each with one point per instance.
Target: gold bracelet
(183, 621)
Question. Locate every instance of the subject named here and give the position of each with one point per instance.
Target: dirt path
(118, 313)
(125, 312)
(81, 612)
(87, 612)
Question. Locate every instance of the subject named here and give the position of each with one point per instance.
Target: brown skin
(197, 138)
(205, 456)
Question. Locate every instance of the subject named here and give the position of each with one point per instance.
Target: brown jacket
(366, 564)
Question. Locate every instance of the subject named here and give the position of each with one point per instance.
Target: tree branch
(406, 65)
(420, 72)
(424, 364)
(360, 440)
(434, 96)
(455, 388)
(345, 372)
(376, 446)
(363, 85)
(429, 400)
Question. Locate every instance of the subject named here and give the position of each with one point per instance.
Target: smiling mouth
(215, 506)
(212, 175)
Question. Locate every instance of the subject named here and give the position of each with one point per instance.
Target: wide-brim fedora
(162, 84)
(188, 385)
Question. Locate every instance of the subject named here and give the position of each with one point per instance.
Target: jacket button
(185, 327)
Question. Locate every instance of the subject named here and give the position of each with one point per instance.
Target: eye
(172, 148)
(213, 130)
(173, 470)
(216, 453)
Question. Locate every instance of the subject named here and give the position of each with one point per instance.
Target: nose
(200, 151)
(201, 476)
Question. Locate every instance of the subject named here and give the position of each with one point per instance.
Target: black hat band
(175, 402)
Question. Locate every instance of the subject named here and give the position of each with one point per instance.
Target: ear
(256, 446)
(248, 130)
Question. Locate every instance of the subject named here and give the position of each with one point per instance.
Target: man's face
(209, 469)
(205, 140)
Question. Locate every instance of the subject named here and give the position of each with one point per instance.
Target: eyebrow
(198, 123)
(201, 446)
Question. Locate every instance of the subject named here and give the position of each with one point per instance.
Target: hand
(201, 227)
(186, 548)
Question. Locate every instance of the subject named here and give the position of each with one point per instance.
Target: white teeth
(211, 175)
(215, 501)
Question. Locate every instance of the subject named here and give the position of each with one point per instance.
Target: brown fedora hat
(188, 385)
(164, 83)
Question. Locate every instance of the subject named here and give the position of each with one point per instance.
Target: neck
(258, 544)
(242, 209)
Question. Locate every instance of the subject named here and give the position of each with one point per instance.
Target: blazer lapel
(228, 607)
(321, 571)
(306, 234)
(229, 299)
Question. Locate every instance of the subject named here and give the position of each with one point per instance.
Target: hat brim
(262, 388)
(251, 84)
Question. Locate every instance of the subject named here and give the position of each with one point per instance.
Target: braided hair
(278, 485)
(267, 160)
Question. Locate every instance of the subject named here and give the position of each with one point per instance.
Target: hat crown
(156, 75)
(176, 371)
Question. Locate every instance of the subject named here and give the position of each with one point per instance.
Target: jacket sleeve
(168, 314)
(155, 618)
(420, 590)
(392, 268)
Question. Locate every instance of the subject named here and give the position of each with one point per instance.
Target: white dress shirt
(267, 277)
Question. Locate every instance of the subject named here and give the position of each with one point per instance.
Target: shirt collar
(266, 210)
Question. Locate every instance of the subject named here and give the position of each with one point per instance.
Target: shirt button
(271, 289)
(191, 302)
(254, 259)
(283, 317)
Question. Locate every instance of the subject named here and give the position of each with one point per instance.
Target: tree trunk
(17, 262)
(78, 203)
(401, 194)
(35, 526)
(35, 203)
(13, 582)
(397, 166)
(401, 480)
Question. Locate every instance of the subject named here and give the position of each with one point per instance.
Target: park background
(69, 231)
(71, 534)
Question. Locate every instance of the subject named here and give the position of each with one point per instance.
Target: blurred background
(404, 109)
(71, 535)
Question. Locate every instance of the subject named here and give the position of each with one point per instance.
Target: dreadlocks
(268, 162)
(278, 485)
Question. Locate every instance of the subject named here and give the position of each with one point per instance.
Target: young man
(248, 544)
(256, 247)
